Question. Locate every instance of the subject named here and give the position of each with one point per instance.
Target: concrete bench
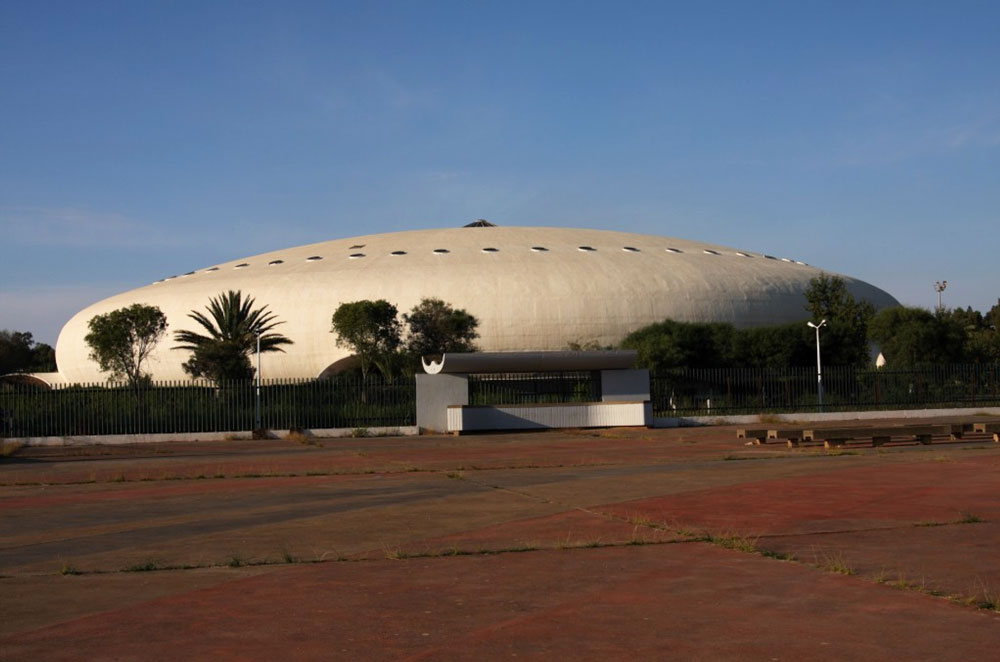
(759, 435)
(763, 435)
(835, 437)
(988, 428)
(792, 436)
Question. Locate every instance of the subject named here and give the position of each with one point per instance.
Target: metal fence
(99, 409)
(534, 388)
(350, 402)
(692, 391)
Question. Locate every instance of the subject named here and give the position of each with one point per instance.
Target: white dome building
(530, 288)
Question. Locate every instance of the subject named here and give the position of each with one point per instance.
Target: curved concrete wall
(531, 288)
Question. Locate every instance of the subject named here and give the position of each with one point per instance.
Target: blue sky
(144, 139)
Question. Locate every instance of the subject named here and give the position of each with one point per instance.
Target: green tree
(982, 339)
(122, 340)
(370, 329)
(43, 358)
(777, 346)
(672, 344)
(232, 328)
(15, 351)
(845, 339)
(915, 336)
(435, 328)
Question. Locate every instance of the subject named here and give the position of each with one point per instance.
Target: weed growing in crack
(834, 561)
(778, 556)
(969, 518)
(990, 596)
(639, 520)
(739, 543)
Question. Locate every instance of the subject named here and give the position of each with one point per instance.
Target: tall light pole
(819, 365)
(940, 286)
(257, 425)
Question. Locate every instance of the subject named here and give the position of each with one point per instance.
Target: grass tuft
(778, 556)
(969, 518)
(834, 561)
(739, 543)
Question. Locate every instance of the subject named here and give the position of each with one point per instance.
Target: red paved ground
(919, 528)
(692, 601)
(848, 498)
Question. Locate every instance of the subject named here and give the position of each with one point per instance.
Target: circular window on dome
(742, 254)
(770, 257)
(210, 269)
(785, 259)
(586, 249)
(356, 246)
(630, 249)
(709, 251)
(441, 251)
(314, 258)
(398, 253)
(275, 262)
(490, 249)
(673, 250)
(355, 256)
(242, 265)
(539, 249)
(190, 273)
(170, 277)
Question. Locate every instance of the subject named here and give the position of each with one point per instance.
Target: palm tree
(233, 327)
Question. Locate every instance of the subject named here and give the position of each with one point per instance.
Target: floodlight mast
(819, 365)
(940, 286)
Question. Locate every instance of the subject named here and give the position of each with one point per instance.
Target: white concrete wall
(534, 417)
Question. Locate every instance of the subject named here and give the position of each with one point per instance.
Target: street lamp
(819, 365)
(257, 425)
(940, 287)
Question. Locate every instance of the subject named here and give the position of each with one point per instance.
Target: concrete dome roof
(530, 287)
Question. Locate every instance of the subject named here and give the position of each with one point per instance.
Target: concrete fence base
(121, 439)
(816, 417)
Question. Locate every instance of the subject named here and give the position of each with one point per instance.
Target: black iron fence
(692, 391)
(99, 409)
(350, 402)
(534, 388)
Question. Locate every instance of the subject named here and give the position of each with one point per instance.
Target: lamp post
(940, 286)
(257, 425)
(819, 365)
